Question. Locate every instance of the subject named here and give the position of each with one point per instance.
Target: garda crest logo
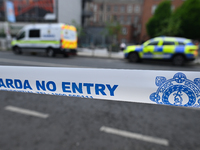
(178, 91)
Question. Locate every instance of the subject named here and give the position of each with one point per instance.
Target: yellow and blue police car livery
(176, 49)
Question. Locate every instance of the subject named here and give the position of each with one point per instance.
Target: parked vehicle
(178, 50)
(49, 38)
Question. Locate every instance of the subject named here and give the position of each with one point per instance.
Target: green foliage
(79, 29)
(113, 28)
(151, 26)
(160, 20)
(190, 20)
(163, 10)
(175, 21)
(184, 21)
(2, 34)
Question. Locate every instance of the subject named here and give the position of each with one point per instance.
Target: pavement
(104, 53)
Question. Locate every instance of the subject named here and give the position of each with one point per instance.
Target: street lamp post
(6, 25)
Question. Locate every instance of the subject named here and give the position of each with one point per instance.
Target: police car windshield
(153, 43)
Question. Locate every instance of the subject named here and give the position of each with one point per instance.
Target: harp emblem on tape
(177, 91)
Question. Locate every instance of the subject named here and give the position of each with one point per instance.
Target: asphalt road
(44, 122)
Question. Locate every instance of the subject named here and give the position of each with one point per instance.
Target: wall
(69, 10)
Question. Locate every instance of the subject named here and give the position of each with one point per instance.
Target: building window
(101, 7)
(116, 8)
(108, 17)
(129, 19)
(122, 19)
(122, 9)
(19, 8)
(87, 6)
(136, 18)
(114, 17)
(91, 5)
(153, 8)
(129, 9)
(137, 9)
(95, 8)
(94, 18)
(100, 18)
(108, 8)
(124, 31)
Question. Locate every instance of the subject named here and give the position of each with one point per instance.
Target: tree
(175, 21)
(189, 19)
(184, 21)
(160, 20)
(113, 29)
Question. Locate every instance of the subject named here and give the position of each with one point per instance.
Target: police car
(178, 50)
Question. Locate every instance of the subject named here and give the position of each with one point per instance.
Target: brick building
(149, 7)
(127, 12)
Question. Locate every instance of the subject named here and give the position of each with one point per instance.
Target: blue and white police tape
(143, 86)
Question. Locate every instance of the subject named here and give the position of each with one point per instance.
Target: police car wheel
(50, 53)
(134, 57)
(17, 50)
(178, 60)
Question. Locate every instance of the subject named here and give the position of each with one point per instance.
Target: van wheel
(50, 53)
(17, 50)
(178, 60)
(134, 57)
(66, 55)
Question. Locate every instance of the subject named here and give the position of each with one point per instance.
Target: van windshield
(69, 35)
(20, 35)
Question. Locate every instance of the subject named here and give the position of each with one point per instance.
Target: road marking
(135, 136)
(26, 112)
(4, 60)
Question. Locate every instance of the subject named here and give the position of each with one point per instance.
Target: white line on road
(135, 136)
(26, 112)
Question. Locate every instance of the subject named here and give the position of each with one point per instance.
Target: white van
(49, 38)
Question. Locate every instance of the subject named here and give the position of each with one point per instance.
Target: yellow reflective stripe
(157, 38)
(69, 44)
(130, 49)
(169, 49)
(68, 27)
(149, 48)
(160, 43)
(188, 48)
(141, 54)
(157, 53)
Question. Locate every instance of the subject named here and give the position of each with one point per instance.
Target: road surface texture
(44, 122)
